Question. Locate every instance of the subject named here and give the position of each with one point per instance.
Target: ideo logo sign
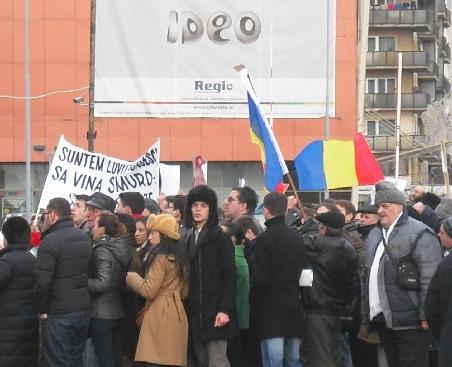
(247, 27)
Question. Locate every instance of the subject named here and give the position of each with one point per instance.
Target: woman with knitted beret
(164, 328)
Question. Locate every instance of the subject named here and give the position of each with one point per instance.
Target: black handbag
(406, 269)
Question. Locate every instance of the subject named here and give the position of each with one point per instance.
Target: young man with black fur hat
(212, 281)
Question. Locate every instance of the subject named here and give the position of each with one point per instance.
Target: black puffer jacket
(438, 309)
(212, 283)
(335, 265)
(110, 263)
(62, 269)
(19, 311)
(274, 296)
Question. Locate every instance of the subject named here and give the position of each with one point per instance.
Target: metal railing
(389, 100)
(391, 59)
(380, 143)
(409, 17)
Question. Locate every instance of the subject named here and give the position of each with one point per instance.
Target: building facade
(416, 29)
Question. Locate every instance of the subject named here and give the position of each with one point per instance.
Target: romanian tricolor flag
(334, 164)
(262, 135)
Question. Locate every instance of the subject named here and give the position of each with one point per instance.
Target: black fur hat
(207, 195)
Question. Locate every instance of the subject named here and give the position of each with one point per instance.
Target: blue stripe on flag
(309, 167)
(273, 170)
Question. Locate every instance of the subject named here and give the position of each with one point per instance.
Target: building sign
(173, 58)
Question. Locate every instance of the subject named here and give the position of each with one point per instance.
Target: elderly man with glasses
(438, 301)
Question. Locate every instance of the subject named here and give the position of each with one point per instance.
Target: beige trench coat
(164, 332)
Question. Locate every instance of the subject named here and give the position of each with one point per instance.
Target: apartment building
(417, 30)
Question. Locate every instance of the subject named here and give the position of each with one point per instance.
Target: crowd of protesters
(188, 281)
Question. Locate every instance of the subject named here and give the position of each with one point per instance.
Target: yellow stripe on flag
(257, 141)
(339, 163)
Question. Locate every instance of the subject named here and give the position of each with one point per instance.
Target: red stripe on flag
(368, 170)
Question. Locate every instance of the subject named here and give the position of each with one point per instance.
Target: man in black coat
(19, 320)
(438, 302)
(62, 286)
(212, 282)
(274, 294)
(332, 293)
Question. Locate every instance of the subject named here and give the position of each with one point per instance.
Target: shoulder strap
(418, 237)
(389, 252)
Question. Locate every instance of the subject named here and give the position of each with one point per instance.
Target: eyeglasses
(230, 199)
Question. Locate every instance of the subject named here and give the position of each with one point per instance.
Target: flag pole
(240, 68)
(295, 192)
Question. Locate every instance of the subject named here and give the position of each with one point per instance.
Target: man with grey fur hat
(396, 312)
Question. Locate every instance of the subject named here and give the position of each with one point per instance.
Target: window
(380, 127)
(381, 43)
(381, 85)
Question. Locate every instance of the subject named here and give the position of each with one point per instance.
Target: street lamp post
(91, 134)
(28, 193)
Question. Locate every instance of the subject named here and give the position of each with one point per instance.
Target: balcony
(419, 20)
(443, 13)
(442, 85)
(431, 73)
(412, 60)
(388, 101)
(387, 143)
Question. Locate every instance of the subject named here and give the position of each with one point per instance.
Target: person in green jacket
(238, 346)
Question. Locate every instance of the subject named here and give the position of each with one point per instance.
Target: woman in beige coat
(164, 331)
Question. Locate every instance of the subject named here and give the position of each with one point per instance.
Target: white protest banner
(77, 171)
(175, 58)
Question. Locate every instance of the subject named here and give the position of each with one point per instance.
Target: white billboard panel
(169, 58)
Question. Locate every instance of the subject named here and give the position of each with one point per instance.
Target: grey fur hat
(386, 192)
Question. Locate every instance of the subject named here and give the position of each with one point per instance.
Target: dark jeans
(404, 348)
(107, 341)
(63, 339)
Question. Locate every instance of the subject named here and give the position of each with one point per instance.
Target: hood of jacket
(120, 248)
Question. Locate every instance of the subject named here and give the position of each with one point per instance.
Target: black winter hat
(431, 200)
(101, 201)
(332, 219)
(367, 209)
(205, 194)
